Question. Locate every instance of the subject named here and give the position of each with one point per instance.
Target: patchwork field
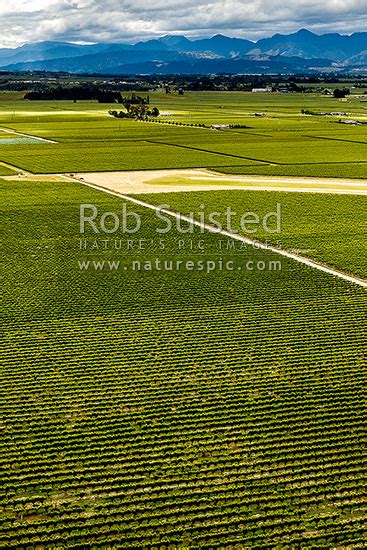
(282, 141)
(160, 409)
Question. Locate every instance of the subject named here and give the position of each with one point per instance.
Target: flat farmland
(155, 409)
(282, 141)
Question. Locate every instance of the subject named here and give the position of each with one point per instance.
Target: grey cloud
(128, 20)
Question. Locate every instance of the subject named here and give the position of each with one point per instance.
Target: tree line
(85, 93)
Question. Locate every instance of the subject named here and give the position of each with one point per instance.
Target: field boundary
(212, 229)
(260, 161)
(337, 139)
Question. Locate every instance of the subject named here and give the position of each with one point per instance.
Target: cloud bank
(132, 20)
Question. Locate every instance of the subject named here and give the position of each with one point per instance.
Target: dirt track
(145, 181)
(184, 180)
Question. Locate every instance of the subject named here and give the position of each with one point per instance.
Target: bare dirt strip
(165, 181)
(300, 259)
(185, 180)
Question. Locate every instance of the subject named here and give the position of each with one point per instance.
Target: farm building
(261, 90)
(220, 127)
(351, 122)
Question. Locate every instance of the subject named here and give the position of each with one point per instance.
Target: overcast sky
(132, 20)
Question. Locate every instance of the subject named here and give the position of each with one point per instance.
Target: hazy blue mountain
(141, 62)
(151, 45)
(175, 42)
(283, 53)
(271, 65)
(98, 63)
(43, 51)
(359, 60)
(218, 44)
(309, 45)
(303, 43)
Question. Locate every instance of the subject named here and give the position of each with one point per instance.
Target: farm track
(37, 138)
(300, 259)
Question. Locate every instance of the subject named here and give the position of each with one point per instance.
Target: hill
(302, 51)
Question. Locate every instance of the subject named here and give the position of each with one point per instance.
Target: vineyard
(325, 227)
(282, 141)
(156, 410)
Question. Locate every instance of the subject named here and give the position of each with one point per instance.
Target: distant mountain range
(300, 52)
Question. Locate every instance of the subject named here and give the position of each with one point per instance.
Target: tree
(137, 111)
(340, 93)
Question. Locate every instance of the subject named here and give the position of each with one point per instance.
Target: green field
(165, 409)
(326, 227)
(282, 142)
